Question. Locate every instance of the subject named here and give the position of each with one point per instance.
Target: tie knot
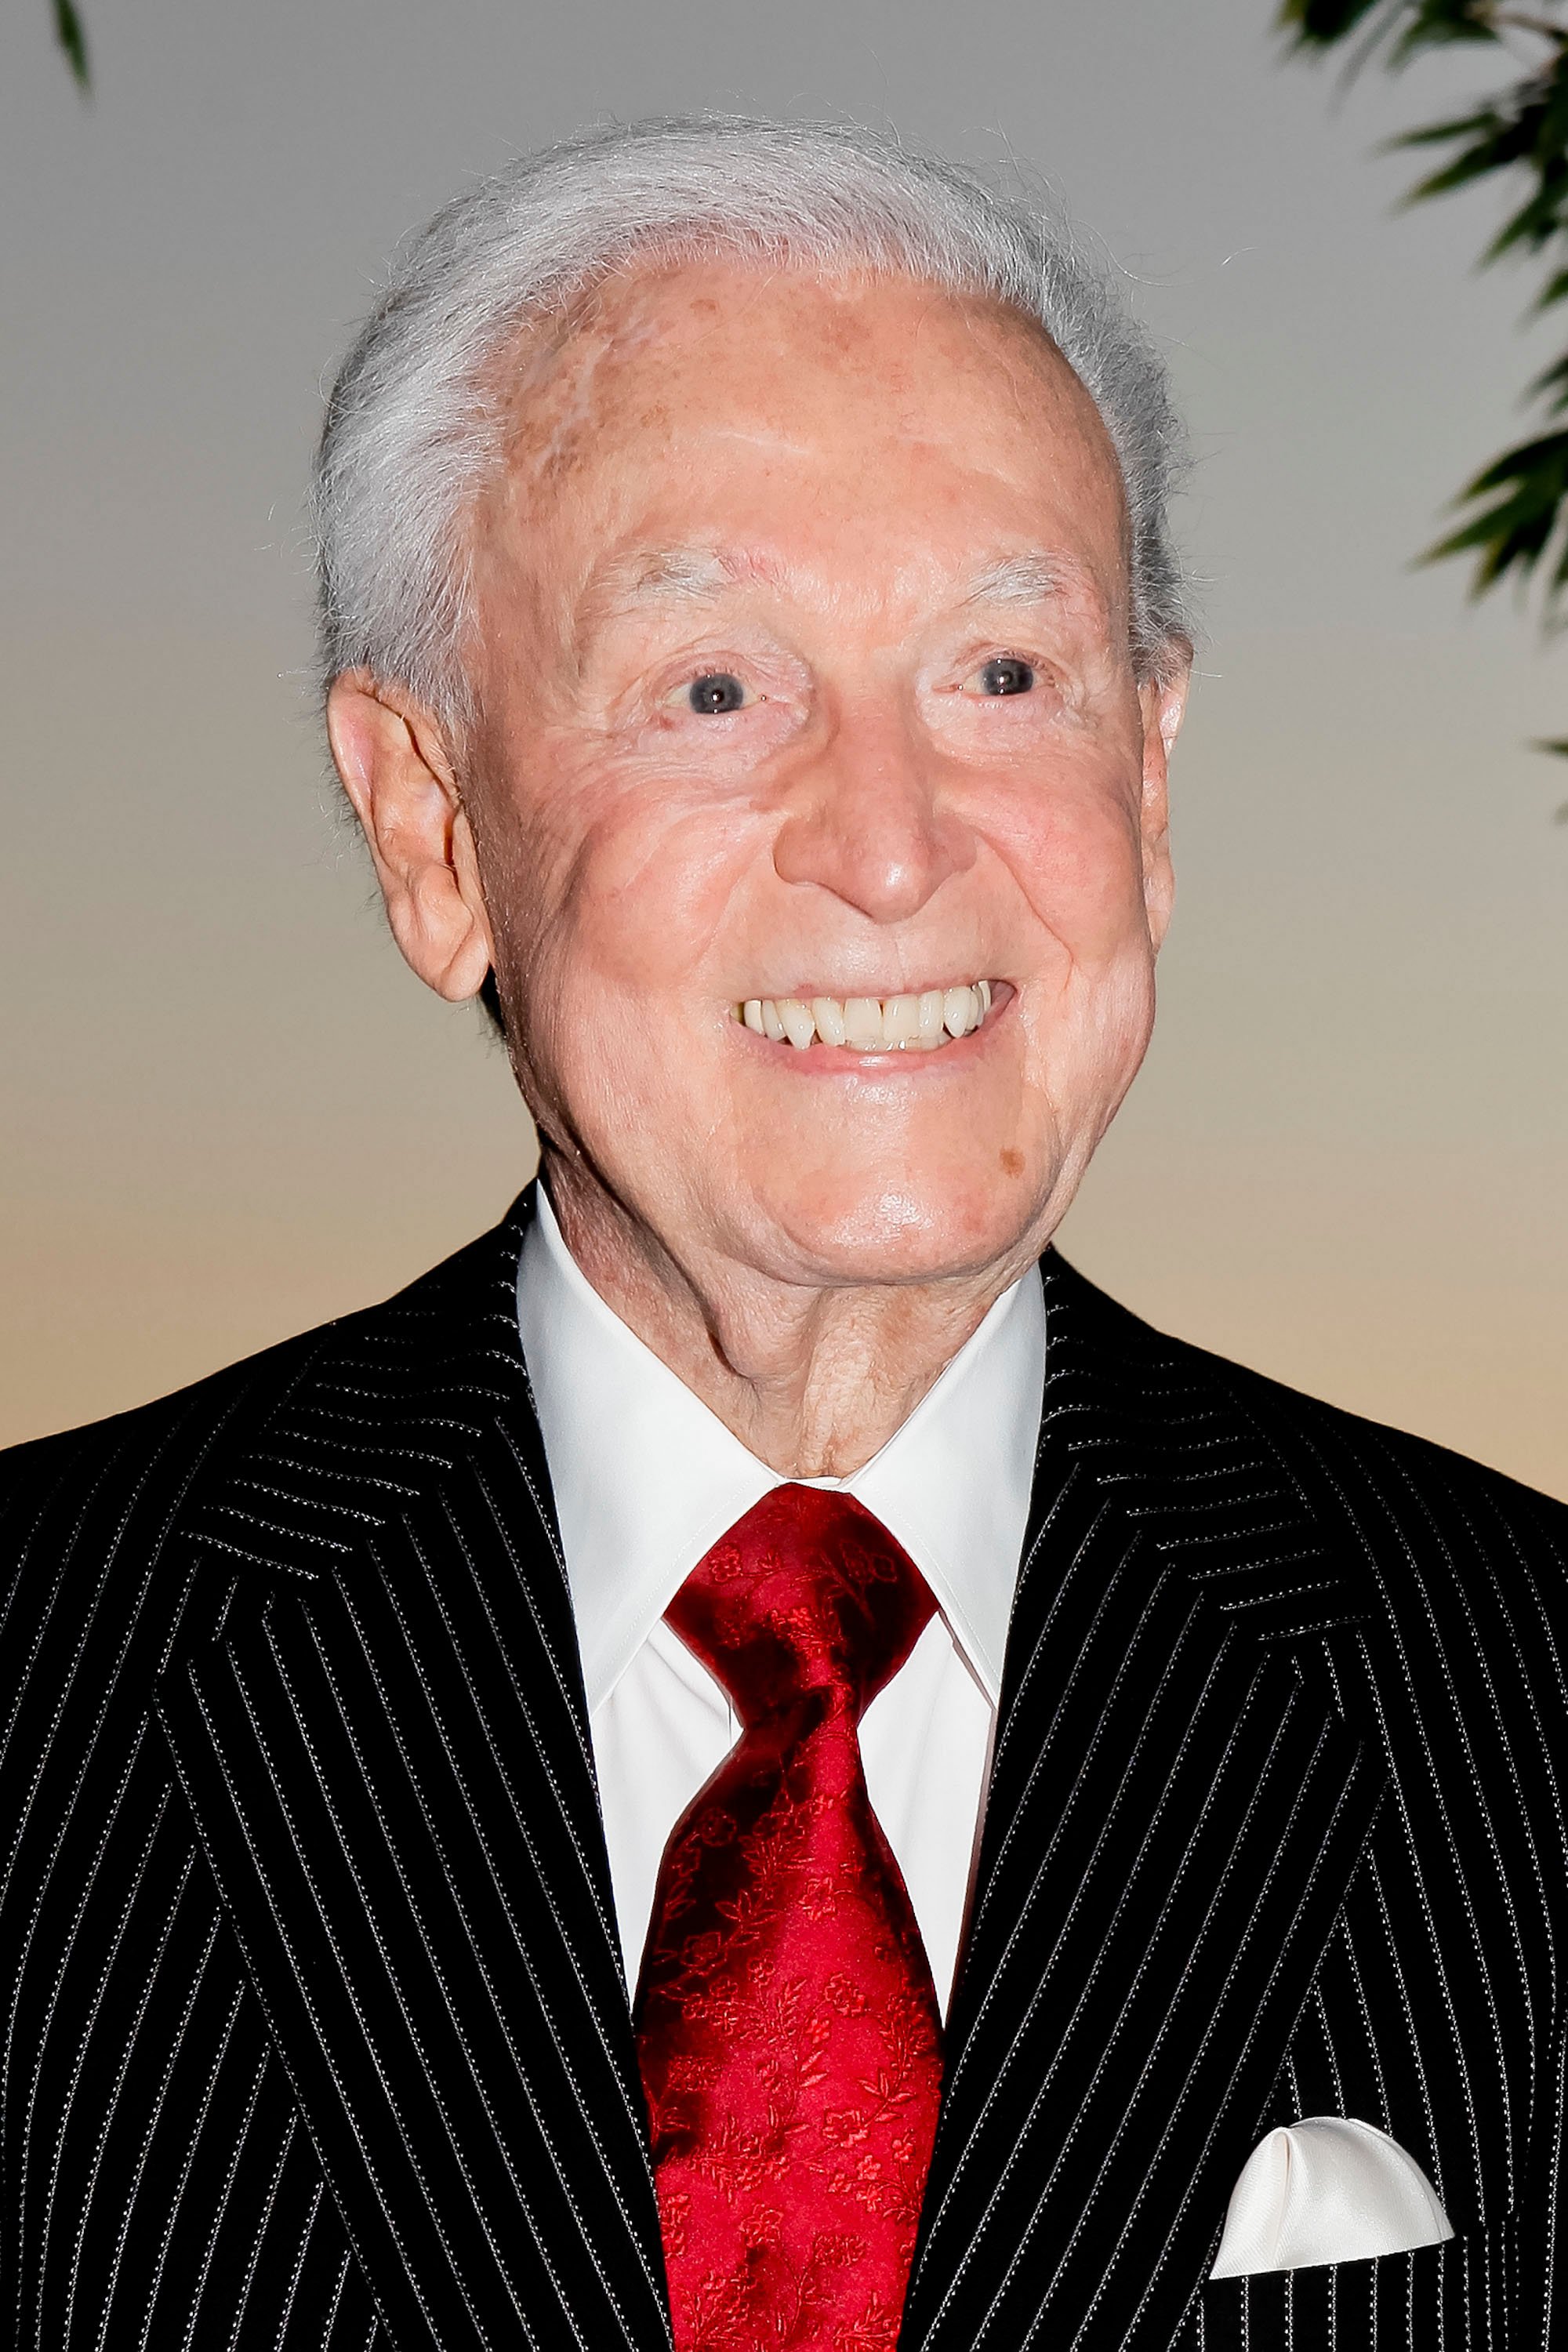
(807, 1595)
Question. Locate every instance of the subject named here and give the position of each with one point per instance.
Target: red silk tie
(787, 2025)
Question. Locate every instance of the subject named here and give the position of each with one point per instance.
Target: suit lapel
(1175, 1814)
(377, 1713)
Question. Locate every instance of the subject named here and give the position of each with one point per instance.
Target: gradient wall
(227, 1111)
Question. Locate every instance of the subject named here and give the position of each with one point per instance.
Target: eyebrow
(699, 574)
(666, 574)
(1029, 578)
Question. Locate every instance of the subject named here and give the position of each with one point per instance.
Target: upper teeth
(869, 1024)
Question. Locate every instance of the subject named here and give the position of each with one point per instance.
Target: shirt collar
(647, 1478)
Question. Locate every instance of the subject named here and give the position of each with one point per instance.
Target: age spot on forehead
(553, 408)
(559, 385)
(1012, 1161)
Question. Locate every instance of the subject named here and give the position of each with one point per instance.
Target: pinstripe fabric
(316, 2034)
(1275, 1829)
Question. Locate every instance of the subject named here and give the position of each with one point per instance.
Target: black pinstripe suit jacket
(316, 2038)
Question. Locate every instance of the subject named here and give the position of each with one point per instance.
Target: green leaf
(1431, 25)
(1553, 379)
(1528, 490)
(1536, 221)
(1547, 458)
(1319, 23)
(1473, 164)
(1511, 519)
(1432, 134)
(1510, 536)
(1502, 138)
(1438, 34)
(71, 35)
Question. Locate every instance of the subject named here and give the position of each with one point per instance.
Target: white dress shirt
(647, 1479)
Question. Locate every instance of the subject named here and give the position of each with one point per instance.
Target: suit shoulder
(165, 1439)
(91, 1512)
(1405, 1495)
(1398, 1495)
(171, 1436)
(89, 1516)
(1413, 1474)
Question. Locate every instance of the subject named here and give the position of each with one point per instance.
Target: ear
(1163, 701)
(397, 770)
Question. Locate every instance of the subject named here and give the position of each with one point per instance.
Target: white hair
(412, 432)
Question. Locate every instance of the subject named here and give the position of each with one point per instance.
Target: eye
(716, 693)
(1005, 675)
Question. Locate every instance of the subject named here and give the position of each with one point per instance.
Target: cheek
(1074, 851)
(648, 905)
(626, 882)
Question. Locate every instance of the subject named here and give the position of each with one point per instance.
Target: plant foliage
(71, 35)
(1513, 515)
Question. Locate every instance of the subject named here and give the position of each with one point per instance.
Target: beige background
(228, 1111)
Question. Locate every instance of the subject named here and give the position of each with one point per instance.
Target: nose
(868, 819)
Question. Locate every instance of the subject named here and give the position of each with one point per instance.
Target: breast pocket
(1442, 2298)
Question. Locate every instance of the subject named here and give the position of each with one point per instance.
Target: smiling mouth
(871, 1024)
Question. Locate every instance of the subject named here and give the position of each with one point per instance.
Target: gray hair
(411, 435)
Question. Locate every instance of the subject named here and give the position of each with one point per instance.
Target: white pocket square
(1327, 2189)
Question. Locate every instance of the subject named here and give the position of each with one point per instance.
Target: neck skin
(812, 1381)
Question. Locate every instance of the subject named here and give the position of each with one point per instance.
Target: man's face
(804, 669)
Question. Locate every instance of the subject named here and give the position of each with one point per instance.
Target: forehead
(720, 391)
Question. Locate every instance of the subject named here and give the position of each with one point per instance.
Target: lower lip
(908, 1062)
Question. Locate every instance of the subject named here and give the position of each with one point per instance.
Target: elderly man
(751, 1762)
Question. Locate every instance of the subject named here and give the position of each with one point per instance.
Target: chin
(894, 1229)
